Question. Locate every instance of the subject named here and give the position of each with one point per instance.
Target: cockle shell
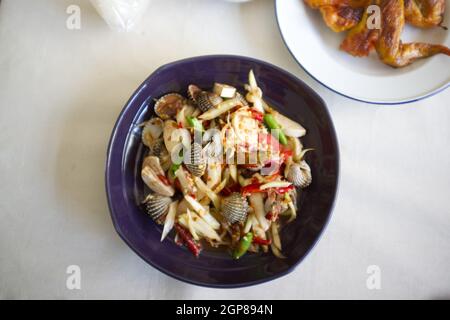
(300, 174)
(156, 205)
(242, 99)
(235, 208)
(153, 176)
(197, 164)
(207, 100)
(168, 106)
(152, 130)
(157, 148)
(193, 92)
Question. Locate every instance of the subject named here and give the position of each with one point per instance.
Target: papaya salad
(223, 169)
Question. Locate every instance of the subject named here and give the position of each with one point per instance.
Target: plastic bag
(121, 15)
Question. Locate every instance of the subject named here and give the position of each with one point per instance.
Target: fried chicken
(389, 46)
(424, 13)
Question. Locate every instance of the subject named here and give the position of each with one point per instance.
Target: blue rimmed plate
(316, 48)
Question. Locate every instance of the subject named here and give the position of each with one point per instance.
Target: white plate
(316, 49)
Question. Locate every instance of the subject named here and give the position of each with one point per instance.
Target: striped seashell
(156, 205)
(197, 165)
(300, 174)
(235, 208)
(193, 92)
(242, 99)
(207, 100)
(157, 148)
(168, 106)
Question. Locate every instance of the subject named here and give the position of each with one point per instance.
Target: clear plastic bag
(121, 15)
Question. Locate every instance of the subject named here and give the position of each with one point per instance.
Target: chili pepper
(164, 179)
(194, 123)
(284, 189)
(270, 121)
(243, 246)
(286, 153)
(193, 246)
(258, 116)
(261, 241)
(251, 188)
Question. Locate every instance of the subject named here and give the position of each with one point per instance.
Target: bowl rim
(377, 103)
(109, 152)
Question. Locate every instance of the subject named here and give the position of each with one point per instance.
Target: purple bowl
(125, 189)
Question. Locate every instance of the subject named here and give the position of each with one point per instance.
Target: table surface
(61, 91)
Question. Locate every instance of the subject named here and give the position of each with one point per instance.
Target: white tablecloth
(61, 91)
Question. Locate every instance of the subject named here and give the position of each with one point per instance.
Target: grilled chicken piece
(424, 13)
(341, 15)
(341, 18)
(360, 40)
(390, 48)
(316, 4)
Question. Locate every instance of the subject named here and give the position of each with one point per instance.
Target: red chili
(284, 189)
(261, 241)
(188, 240)
(251, 188)
(164, 179)
(257, 115)
(286, 152)
(272, 216)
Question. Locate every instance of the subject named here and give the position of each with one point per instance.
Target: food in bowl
(223, 169)
(353, 16)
